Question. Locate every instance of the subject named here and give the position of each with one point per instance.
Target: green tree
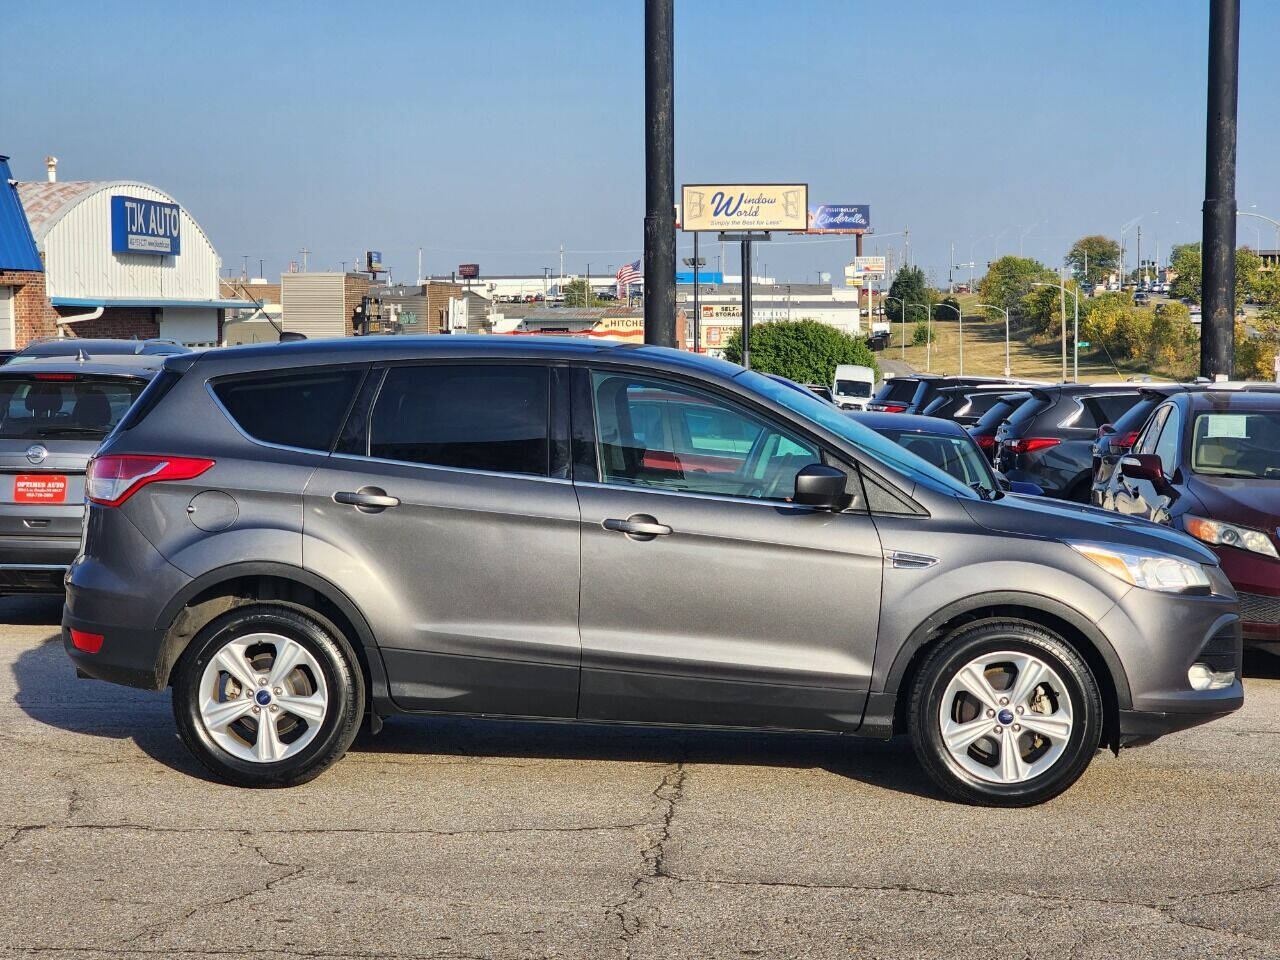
(1043, 307)
(805, 351)
(1009, 279)
(1186, 262)
(908, 286)
(1091, 258)
(577, 295)
(946, 309)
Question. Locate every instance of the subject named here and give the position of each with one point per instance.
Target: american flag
(627, 274)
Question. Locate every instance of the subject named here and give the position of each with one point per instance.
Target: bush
(920, 333)
(805, 351)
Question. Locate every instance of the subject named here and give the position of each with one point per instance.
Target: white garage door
(6, 318)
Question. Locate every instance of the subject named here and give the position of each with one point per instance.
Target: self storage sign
(145, 226)
(39, 488)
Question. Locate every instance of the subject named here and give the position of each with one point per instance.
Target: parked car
(852, 385)
(984, 431)
(98, 347)
(946, 445)
(818, 390)
(1208, 462)
(1048, 440)
(54, 411)
(1115, 440)
(912, 393)
(293, 536)
(965, 405)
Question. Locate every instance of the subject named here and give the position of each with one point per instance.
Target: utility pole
(660, 175)
(419, 266)
(304, 252)
(1217, 328)
(1062, 299)
(746, 304)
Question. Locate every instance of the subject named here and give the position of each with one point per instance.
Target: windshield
(1243, 445)
(879, 448)
(44, 406)
(853, 388)
(959, 457)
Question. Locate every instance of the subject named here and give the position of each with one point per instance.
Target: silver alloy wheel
(263, 697)
(1006, 717)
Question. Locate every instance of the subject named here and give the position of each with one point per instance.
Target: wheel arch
(1080, 632)
(227, 587)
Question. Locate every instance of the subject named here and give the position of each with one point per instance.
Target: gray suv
(297, 537)
(54, 411)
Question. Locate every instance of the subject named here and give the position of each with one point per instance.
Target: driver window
(1167, 446)
(665, 435)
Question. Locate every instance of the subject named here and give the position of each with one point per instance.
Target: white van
(853, 386)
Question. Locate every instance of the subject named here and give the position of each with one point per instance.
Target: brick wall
(354, 287)
(438, 295)
(116, 322)
(33, 316)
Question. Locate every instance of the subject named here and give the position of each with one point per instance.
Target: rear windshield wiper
(93, 433)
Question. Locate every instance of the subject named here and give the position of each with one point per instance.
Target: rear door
(448, 515)
(707, 597)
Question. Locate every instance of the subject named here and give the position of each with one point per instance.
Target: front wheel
(1005, 713)
(268, 696)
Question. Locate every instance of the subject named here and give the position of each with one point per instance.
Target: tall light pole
(1129, 225)
(960, 317)
(660, 178)
(992, 306)
(1075, 365)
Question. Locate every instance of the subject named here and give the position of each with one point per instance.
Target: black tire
(962, 647)
(342, 677)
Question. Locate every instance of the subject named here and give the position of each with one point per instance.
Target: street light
(960, 317)
(1274, 223)
(1075, 366)
(1123, 230)
(992, 306)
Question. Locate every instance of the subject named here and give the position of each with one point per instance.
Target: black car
(965, 405)
(984, 431)
(1049, 439)
(98, 347)
(912, 393)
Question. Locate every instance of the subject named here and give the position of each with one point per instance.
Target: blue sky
(496, 131)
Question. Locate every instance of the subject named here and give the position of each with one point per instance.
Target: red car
(1208, 463)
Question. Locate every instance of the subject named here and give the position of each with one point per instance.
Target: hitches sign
(745, 206)
(145, 226)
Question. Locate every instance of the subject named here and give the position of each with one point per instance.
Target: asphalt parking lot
(456, 839)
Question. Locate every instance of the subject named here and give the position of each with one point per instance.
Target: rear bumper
(32, 577)
(128, 655)
(36, 564)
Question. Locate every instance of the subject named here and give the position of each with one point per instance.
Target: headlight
(1215, 531)
(1152, 571)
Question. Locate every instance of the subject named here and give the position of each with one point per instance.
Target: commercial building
(720, 306)
(420, 308)
(319, 305)
(124, 259)
(25, 313)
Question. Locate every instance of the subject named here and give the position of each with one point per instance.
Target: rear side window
(468, 416)
(1028, 411)
(898, 390)
(1105, 409)
(150, 399)
(998, 413)
(67, 406)
(302, 409)
(1135, 416)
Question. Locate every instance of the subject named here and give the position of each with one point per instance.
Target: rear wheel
(268, 696)
(1005, 713)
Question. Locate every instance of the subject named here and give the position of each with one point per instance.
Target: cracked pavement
(460, 838)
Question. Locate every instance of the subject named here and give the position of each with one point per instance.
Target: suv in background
(912, 393)
(1117, 439)
(984, 431)
(1208, 462)
(74, 346)
(54, 411)
(550, 528)
(965, 405)
(1048, 440)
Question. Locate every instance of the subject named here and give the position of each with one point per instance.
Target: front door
(708, 598)
(6, 318)
(441, 514)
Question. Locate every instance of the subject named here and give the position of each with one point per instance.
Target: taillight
(55, 376)
(893, 407)
(1031, 444)
(1125, 443)
(111, 480)
(985, 441)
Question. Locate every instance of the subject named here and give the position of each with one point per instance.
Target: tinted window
(303, 409)
(47, 406)
(1031, 409)
(469, 416)
(657, 434)
(999, 412)
(1136, 415)
(1170, 440)
(1146, 443)
(1112, 408)
(898, 390)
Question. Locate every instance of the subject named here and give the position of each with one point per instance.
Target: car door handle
(638, 526)
(367, 499)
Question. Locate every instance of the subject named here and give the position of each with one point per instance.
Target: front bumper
(1158, 637)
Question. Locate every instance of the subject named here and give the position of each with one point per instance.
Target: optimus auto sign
(744, 206)
(145, 226)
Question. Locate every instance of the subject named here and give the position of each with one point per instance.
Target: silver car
(299, 538)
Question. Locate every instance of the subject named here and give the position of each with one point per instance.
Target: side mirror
(821, 487)
(1143, 466)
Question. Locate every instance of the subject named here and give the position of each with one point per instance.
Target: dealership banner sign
(145, 226)
(744, 206)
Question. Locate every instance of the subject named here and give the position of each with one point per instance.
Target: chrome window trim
(440, 466)
(36, 566)
(717, 497)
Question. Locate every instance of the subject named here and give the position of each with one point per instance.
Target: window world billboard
(145, 226)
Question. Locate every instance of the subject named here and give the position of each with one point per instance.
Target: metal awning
(17, 246)
(107, 302)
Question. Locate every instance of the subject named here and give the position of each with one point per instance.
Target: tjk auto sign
(745, 206)
(145, 226)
